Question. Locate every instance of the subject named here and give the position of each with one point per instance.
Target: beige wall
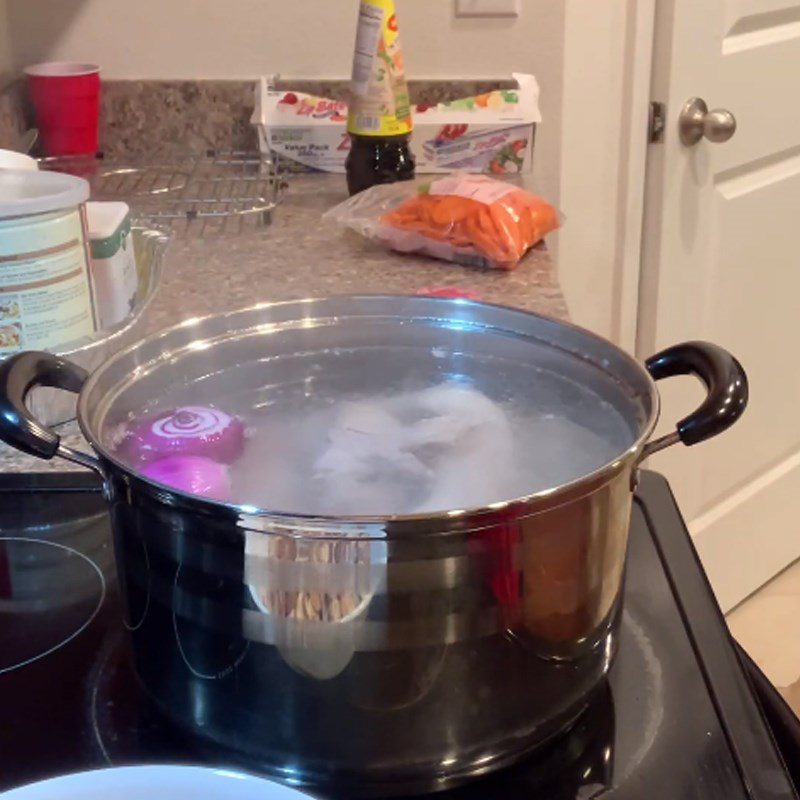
(6, 55)
(299, 38)
(594, 65)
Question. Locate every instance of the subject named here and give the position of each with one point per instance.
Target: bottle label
(379, 103)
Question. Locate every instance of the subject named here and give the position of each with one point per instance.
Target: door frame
(640, 43)
(604, 150)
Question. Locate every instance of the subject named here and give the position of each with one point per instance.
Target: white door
(721, 261)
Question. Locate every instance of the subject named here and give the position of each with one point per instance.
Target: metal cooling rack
(211, 194)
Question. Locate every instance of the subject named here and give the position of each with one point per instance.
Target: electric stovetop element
(676, 719)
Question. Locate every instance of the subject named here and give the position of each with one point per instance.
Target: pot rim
(517, 507)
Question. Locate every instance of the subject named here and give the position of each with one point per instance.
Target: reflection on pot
(316, 594)
(213, 655)
(572, 559)
(135, 593)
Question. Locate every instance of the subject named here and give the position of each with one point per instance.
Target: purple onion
(192, 474)
(186, 431)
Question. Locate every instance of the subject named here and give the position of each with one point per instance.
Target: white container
(45, 294)
(113, 265)
(52, 406)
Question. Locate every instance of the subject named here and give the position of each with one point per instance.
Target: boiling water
(393, 431)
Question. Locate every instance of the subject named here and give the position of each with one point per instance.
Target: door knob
(696, 121)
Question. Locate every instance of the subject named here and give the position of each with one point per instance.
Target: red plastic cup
(66, 99)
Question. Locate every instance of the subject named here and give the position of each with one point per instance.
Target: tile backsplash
(12, 117)
(139, 119)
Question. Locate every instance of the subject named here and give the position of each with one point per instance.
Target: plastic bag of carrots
(470, 219)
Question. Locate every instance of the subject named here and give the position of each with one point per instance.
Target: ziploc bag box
(491, 132)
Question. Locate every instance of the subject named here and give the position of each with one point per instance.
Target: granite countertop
(300, 256)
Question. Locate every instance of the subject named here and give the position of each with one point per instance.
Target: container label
(380, 104)
(45, 297)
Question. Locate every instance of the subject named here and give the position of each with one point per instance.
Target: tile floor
(767, 625)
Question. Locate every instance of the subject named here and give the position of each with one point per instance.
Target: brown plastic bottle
(379, 118)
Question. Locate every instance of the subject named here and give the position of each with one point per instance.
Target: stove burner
(603, 750)
(126, 725)
(49, 594)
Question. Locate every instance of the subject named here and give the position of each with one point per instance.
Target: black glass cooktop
(676, 719)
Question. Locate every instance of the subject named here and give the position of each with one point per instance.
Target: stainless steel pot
(387, 654)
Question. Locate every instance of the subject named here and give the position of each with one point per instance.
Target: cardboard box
(490, 133)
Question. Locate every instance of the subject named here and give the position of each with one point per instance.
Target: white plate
(155, 783)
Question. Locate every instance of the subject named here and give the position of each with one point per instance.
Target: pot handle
(725, 380)
(18, 427)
